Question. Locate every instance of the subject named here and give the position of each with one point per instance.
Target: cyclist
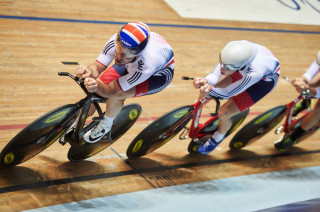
(143, 65)
(245, 73)
(309, 80)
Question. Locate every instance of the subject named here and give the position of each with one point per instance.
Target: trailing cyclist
(245, 73)
(310, 80)
(144, 64)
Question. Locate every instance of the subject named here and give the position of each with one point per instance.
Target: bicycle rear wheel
(211, 127)
(257, 127)
(122, 123)
(38, 136)
(155, 135)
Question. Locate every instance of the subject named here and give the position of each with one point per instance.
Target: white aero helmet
(236, 54)
(318, 58)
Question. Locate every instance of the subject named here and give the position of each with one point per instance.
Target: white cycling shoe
(96, 133)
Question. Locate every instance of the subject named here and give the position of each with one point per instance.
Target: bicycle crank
(184, 134)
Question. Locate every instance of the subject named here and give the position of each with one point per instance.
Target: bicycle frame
(84, 105)
(195, 127)
(290, 107)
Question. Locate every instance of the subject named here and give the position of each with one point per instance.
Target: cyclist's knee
(317, 105)
(228, 110)
(122, 95)
(316, 109)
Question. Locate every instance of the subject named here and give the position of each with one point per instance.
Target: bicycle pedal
(197, 141)
(66, 137)
(62, 141)
(279, 130)
(295, 118)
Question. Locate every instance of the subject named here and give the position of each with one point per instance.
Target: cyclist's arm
(135, 76)
(300, 83)
(198, 82)
(112, 89)
(92, 70)
(315, 86)
(315, 82)
(96, 69)
(312, 71)
(215, 75)
(102, 62)
(236, 87)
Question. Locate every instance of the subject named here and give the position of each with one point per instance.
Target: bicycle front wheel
(122, 123)
(257, 127)
(37, 136)
(156, 134)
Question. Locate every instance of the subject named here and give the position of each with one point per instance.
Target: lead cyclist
(143, 65)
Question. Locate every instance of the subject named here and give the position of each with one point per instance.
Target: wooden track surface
(32, 53)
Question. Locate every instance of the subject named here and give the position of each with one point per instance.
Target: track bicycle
(170, 124)
(268, 120)
(56, 125)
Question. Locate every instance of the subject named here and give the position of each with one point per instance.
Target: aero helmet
(236, 54)
(318, 58)
(134, 37)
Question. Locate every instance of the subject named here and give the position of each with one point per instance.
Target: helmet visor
(121, 49)
(229, 67)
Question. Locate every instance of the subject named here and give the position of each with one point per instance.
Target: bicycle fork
(186, 133)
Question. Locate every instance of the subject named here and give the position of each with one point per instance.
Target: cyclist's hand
(205, 90)
(83, 72)
(300, 84)
(91, 84)
(198, 82)
(297, 81)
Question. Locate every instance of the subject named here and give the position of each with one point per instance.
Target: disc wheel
(159, 132)
(37, 136)
(257, 127)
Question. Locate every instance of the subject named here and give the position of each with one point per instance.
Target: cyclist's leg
(114, 103)
(307, 123)
(227, 110)
(236, 105)
(312, 118)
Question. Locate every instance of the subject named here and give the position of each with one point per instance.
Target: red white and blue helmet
(134, 36)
